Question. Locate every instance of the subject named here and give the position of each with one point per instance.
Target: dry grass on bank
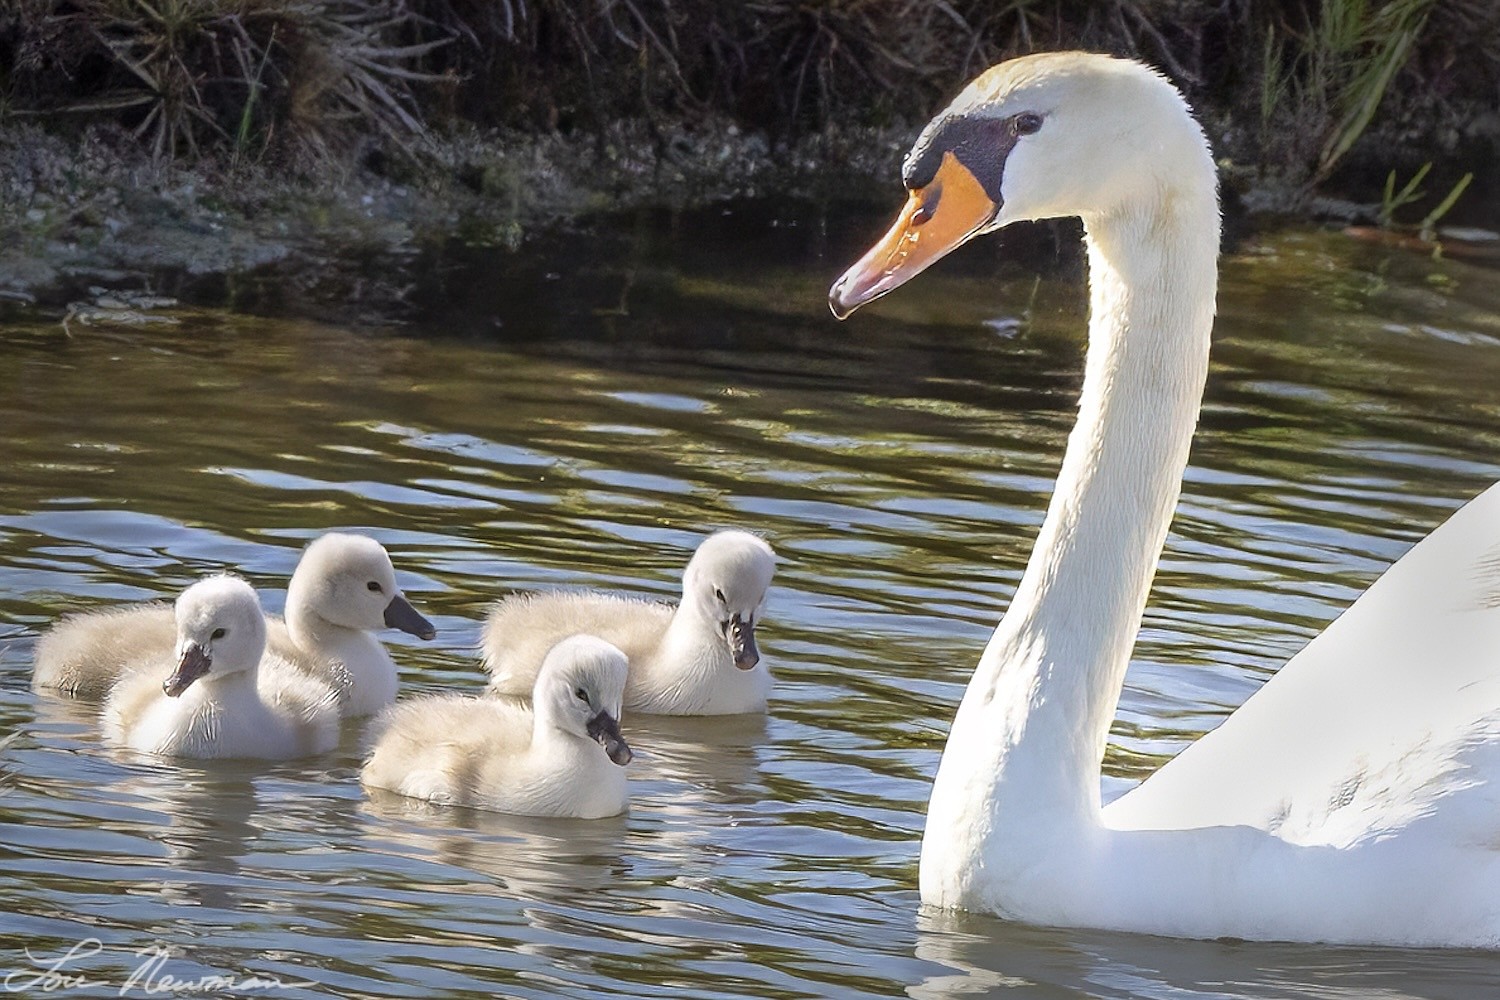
(1291, 84)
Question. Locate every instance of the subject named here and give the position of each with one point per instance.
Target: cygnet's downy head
(579, 690)
(726, 581)
(221, 630)
(1039, 137)
(349, 580)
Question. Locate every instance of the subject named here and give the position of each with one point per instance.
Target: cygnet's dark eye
(581, 694)
(1026, 123)
(720, 595)
(373, 586)
(217, 633)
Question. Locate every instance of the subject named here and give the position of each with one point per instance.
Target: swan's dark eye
(581, 694)
(720, 595)
(218, 633)
(1026, 123)
(373, 586)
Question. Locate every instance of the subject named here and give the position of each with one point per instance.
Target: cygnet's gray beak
(606, 730)
(741, 636)
(191, 665)
(400, 614)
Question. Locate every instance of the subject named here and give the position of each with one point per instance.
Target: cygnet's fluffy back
(697, 658)
(560, 755)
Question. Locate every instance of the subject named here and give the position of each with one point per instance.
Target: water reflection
(703, 758)
(205, 821)
(981, 956)
(528, 432)
(543, 860)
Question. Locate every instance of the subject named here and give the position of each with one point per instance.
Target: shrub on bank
(1290, 85)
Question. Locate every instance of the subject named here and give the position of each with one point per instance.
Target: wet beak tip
(399, 614)
(836, 304)
(856, 287)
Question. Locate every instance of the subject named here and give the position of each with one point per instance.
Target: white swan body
(1356, 797)
(697, 659)
(221, 694)
(331, 611)
(561, 755)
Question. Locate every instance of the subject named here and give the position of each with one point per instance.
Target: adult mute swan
(561, 755)
(344, 588)
(220, 694)
(1356, 797)
(698, 658)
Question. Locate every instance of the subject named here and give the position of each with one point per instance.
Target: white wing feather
(1391, 711)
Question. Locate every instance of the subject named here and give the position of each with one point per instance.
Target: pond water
(581, 412)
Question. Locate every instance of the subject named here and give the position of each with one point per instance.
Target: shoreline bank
(94, 211)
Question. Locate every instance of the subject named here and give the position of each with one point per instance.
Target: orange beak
(952, 207)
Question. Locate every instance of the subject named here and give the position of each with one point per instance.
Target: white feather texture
(505, 755)
(682, 659)
(343, 591)
(1356, 797)
(248, 704)
(84, 654)
(331, 613)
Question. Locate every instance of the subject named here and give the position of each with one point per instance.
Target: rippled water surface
(581, 413)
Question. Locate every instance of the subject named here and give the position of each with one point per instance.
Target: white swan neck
(1032, 726)
(311, 631)
(232, 684)
(551, 733)
(1078, 607)
(689, 623)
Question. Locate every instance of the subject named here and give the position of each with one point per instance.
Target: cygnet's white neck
(316, 634)
(217, 685)
(554, 736)
(546, 723)
(692, 619)
(367, 669)
(1020, 773)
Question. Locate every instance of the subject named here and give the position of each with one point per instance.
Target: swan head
(221, 630)
(1040, 137)
(579, 690)
(726, 582)
(349, 580)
